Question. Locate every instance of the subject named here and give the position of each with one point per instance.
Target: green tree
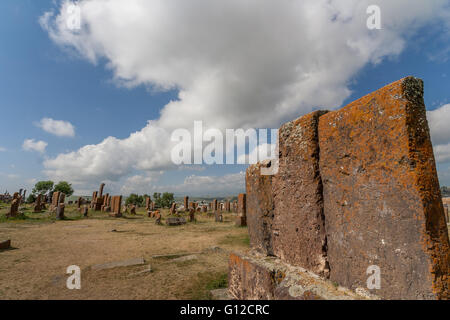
(167, 199)
(43, 187)
(64, 187)
(135, 199)
(31, 199)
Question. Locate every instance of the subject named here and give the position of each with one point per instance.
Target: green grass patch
(241, 240)
(204, 283)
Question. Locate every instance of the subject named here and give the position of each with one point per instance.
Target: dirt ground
(43, 248)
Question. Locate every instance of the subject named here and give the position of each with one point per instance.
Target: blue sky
(42, 77)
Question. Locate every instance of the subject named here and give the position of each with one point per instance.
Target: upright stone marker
(55, 199)
(116, 202)
(381, 192)
(14, 209)
(298, 225)
(186, 203)
(242, 210)
(259, 208)
(38, 204)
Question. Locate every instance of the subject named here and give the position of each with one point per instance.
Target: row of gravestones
(353, 189)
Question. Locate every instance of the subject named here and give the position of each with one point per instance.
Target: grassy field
(35, 268)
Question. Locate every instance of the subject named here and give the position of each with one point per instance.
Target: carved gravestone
(381, 195)
(260, 208)
(241, 219)
(299, 224)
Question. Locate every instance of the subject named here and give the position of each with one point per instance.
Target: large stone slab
(382, 200)
(259, 207)
(257, 277)
(299, 236)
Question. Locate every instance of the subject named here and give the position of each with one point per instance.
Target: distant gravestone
(175, 221)
(14, 208)
(241, 219)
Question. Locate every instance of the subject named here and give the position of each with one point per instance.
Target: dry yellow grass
(44, 248)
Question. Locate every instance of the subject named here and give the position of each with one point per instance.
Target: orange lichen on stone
(298, 226)
(382, 201)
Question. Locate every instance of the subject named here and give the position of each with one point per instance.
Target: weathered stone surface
(192, 215)
(5, 244)
(60, 211)
(234, 206)
(186, 203)
(116, 202)
(242, 204)
(446, 214)
(382, 200)
(38, 204)
(100, 191)
(299, 236)
(257, 277)
(173, 208)
(158, 217)
(14, 208)
(148, 202)
(240, 221)
(175, 221)
(55, 199)
(259, 208)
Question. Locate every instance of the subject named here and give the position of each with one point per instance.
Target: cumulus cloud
(438, 121)
(57, 127)
(195, 185)
(235, 64)
(139, 184)
(33, 145)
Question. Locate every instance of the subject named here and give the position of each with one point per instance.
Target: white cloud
(139, 184)
(57, 127)
(235, 63)
(438, 121)
(442, 152)
(31, 182)
(2, 149)
(32, 145)
(194, 185)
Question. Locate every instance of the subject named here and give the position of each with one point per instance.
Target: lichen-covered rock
(242, 204)
(299, 236)
(259, 207)
(382, 201)
(116, 202)
(257, 277)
